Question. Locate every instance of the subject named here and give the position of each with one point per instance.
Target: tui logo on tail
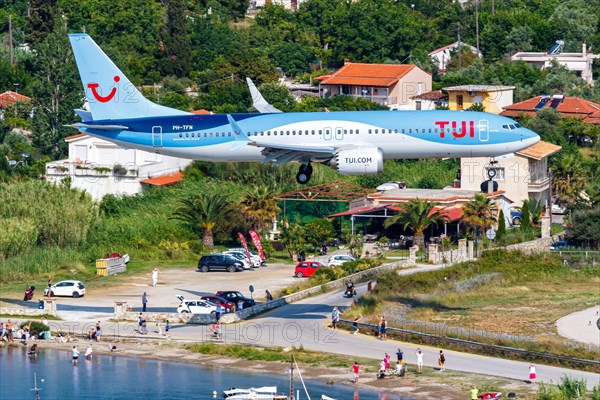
(103, 99)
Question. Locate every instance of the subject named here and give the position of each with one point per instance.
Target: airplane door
(339, 133)
(157, 136)
(484, 130)
(327, 134)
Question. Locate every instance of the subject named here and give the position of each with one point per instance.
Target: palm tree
(202, 213)
(535, 209)
(480, 213)
(569, 179)
(417, 215)
(259, 207)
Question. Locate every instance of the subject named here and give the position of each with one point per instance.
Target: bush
(35, 328)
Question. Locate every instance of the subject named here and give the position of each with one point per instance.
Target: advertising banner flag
(257, 244)
(245, 245)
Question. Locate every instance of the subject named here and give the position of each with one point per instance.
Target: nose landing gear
(304, 173)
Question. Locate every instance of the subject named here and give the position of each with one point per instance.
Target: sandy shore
(432, 384)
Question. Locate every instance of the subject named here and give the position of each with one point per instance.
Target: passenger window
(410, 131)
(287, 132)
(369, 131)
(211, 134)
(313, 132)
(345, 131)
(293, 132)
(357, 131)
(395, 130)
(181, 135)
(429, 130)
(376, 131)
(403, 131)
(187, 135)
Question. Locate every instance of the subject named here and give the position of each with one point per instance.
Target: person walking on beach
(144, 302)
(268, 295)
(335, 317)
(9, 331)
(140, 317)
(356, 370)
(442, 361)
(419, 361)
(155, 277)
(167, 329)
(75, 354)
(218, 311)
(98, 332)
(369, 287)
(532, 374)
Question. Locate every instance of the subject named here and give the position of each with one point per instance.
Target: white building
(580, 63)
(444, 54)
(288, 4)
(429, 100)
(100, 167)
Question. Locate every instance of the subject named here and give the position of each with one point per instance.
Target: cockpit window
(505, 127)
(518, 126)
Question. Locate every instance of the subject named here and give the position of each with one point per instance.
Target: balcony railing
(82, 169)
(539, 185)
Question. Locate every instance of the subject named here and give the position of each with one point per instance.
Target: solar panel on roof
(556, 47)
(556, 101)
(542, 103)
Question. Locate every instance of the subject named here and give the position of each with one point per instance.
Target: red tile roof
(368, 74)
(569, 107)
(10, 97)
(164, 180)
(452, 213)
(433, 95)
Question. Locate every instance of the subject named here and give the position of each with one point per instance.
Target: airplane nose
(529, 137)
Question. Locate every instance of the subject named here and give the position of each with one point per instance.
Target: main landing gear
(304, 173)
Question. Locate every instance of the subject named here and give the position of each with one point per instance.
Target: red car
(227, 305)
(307, 268)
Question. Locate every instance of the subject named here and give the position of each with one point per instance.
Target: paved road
(304, 324)
(583, 326)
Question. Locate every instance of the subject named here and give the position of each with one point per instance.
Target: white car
(66, 288)
(240, 257)
(339, 259)
(196, 306)
(256, 260)
(556, 209)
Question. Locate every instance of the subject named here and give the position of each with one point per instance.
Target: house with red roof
(9, 98)
(100, 167)
(392, 85)
(566, 106)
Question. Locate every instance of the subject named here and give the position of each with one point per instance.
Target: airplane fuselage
(398, 134)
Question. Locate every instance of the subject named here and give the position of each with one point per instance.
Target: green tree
(292, 237)
(176, 44)
(501, 225)
(526, 217)
(203, 213)
(569, 179)
(480, 213)
(417, 215)
(574, 22)
(43, 16)
(279, 96)
(584, 227)
(259, 207)
(318, 231)
(58, 92)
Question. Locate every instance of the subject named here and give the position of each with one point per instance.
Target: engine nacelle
(365, 161)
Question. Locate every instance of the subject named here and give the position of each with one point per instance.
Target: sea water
(116, 377)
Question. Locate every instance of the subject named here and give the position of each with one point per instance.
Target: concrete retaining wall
(49, 308)
(535, 246)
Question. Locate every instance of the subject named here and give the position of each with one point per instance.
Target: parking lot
(98, 302)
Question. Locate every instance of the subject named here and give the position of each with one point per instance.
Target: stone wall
(535, 246)
(49, 308)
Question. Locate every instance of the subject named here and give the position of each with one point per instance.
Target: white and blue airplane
(353, 142)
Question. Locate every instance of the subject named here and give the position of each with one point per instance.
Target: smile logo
(103, 99)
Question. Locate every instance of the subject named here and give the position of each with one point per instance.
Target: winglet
(258, 101)
(241, 138)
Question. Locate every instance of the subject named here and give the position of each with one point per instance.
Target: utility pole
(292, 378)
(477, 24)
(459, 49)
(10, 41)
(493, 8)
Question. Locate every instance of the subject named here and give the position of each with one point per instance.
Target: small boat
(261, 393)
(489, 395)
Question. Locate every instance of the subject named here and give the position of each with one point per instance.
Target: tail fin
(109, 93)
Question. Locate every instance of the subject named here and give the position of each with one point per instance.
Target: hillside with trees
(169, 48)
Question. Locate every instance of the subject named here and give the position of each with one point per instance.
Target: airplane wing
(279, 154)
(258, 101)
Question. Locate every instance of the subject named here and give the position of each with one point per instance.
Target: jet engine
(362, 161)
